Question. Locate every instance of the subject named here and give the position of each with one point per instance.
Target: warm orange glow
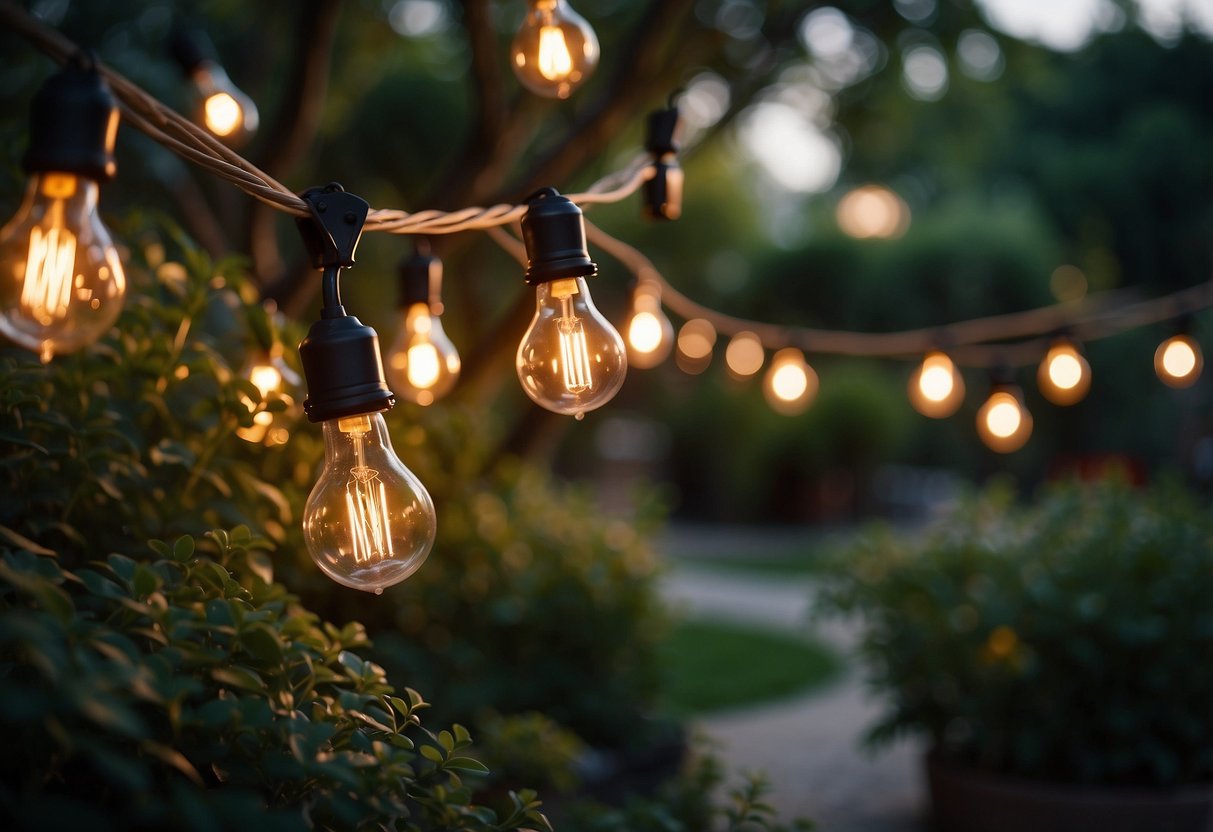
(554, 63)
(223, 114)
(791, 384)
(937, 388)
(695, 342)
(744, 354)
(650, 334)
(1003, 423)
(266, 378)
(873, 212)
(1064, 376)
(1178, 361)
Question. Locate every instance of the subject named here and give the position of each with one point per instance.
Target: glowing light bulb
(650, 333)
(555, 50)
(571, 360)
(937, 388)
(791, 384)
(744, 355)
(223, 108)
(1178, 361)
(422, 364)
(1064, 376)
(273, 378)
(1003, 423)
(61, 282)
(369, 522)
(695, 342)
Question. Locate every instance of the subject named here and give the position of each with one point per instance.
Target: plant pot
(964, 800)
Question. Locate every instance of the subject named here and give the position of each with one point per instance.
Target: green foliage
(134, 684)
(1072, 640)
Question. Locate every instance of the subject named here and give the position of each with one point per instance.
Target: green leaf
(263, 643)
(467, 764)
(24, 542)
(239, 677)
(183, 549)
(432, 753)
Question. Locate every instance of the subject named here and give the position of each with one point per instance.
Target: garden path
(807, 745)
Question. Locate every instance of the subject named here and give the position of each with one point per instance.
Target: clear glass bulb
(571, 359)
(1003, 423)
(369, 522)
(937, 388)
(1064, 376)
(223, 108)
(62, 284)
(422, 364)
(555, 49)
(1178, 361)
(650, 333)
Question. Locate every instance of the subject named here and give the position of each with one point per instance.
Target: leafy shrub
(1072, 640)
(132, 685)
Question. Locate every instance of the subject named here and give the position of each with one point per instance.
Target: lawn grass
(712, 666)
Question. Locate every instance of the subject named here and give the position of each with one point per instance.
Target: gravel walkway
(808, 746)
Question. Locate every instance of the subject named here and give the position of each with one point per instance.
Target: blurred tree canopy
(1028, 159)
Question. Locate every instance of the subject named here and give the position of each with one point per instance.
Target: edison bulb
(791, 384)
(222, 107)
(62, 282)
(1064, 376)
(555, 49)
(937, 387)
(423, 364)
(1003, 423)
(1178, 361)
(650, 333)
(571, 360)
(369, 522)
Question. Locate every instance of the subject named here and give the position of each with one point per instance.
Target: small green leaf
(467, 764)
(431, 753)
(183, 549)
(24, 542)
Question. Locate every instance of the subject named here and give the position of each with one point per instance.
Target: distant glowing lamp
(1178, 361)
(791, 384)
(1003, 422)
(937, 388)
(1064, 376)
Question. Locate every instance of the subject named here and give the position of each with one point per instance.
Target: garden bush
(1071, 640)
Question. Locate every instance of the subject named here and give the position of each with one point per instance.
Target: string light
(63, 283)
(571, 360)
(269, 373)
(368, 522)
(1064, 376)
(695, 342)
(937, 387)
(423, 364)
(219, 105)
(555, 49)
(663, 191)
(744, 355)
(1178, 361)
(1003, 422)
(650, 333)
(791, 384)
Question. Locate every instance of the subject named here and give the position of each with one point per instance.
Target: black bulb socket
(74, 124)
(343, 369)
(659, 135)
(663, 192)
(420, 280)
(191, 48)
(553, 230)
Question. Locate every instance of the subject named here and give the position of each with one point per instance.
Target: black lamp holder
(340, 355)
(421, 278)
(74, 123)
(554, 233)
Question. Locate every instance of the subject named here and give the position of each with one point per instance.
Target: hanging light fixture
(650, 333)
(571, 360)
(219, 105)
(937, 387)
(63, 284)
(696, 339)
(423, 364)
(1178, 361)
(368, 522)
(555, 49)
(663, 192)
(1064, 376)
(791, 384)
(1003, 422)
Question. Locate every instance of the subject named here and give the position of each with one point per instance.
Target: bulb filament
(48, 272)
(424, 365)
(555, 63)
(574, 352)
(223, 114)
(366, 499)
